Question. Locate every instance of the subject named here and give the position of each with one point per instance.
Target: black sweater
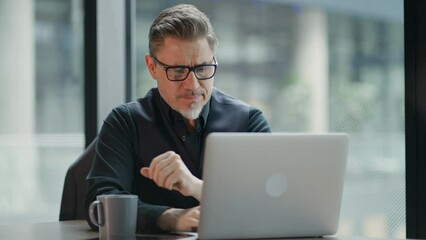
(134, 133)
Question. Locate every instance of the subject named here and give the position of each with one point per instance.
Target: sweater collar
(174, 117)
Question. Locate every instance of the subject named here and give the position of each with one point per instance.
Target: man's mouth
(193, 94)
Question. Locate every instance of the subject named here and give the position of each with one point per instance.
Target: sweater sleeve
(113, 169)
(257, 121)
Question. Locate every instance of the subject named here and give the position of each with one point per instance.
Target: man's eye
(179, 70)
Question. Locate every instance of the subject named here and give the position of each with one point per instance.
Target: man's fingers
(164, 175)
(189, 220)
(169, 171)
(164, 170)
(196, 213)
(191, 224)
(162, 161)
(145, 172)
(192, 218)
(173, 179)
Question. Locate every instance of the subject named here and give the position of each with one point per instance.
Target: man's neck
(190, 124)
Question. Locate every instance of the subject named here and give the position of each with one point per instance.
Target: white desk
(79, 229)
(65, 230)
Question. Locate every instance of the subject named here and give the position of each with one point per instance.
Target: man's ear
(150, 64)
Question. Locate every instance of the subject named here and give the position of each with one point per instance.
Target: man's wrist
(198, 189)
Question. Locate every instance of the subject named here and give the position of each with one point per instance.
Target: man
(153, 147)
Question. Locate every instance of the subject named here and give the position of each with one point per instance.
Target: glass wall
(328, 66)
(41, 104)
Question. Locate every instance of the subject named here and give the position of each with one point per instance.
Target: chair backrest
(74, 191)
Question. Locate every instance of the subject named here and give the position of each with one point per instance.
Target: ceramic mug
(117, 215)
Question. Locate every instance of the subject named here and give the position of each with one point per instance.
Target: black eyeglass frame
(191, 69)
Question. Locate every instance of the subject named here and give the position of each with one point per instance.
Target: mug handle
(100, 213)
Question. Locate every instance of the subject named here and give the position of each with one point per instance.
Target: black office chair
(72, 204)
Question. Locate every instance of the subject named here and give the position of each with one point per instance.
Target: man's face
(190, 95)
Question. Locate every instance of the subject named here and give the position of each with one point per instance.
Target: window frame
(109, 66)
(415, 117)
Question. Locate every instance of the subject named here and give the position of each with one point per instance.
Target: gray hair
(183, 22)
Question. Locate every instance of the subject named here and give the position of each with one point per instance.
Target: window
(41, 90)
(322, 67)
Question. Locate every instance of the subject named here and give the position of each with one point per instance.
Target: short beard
(193, 113)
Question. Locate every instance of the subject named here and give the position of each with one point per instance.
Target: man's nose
(191, 82)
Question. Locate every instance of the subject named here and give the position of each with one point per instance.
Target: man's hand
(169, 171)
(179, 220)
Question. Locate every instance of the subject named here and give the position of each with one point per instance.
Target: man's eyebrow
(207, 62)
(200, 64)
(179, 65)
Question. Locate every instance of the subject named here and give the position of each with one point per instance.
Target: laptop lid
(263, 185)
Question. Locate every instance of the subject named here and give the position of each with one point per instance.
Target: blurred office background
(311, 66)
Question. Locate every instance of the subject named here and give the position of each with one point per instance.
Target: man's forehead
(197, 49)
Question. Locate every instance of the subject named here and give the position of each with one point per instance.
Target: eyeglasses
(180, 73)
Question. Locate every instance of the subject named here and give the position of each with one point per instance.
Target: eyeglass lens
(181, 73)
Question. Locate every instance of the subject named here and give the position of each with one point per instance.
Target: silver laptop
(263, 185)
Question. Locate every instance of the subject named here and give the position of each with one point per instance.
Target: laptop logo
(276, 185)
